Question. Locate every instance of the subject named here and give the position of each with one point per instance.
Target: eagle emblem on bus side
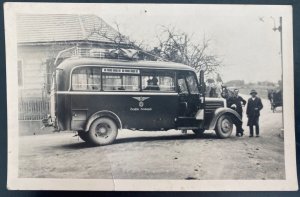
(141, 100)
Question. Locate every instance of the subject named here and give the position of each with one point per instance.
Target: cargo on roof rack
(101, 53)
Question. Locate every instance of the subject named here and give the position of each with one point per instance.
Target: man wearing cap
(253, 112)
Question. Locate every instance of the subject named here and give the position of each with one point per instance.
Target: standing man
(237, 102)
(253, 112)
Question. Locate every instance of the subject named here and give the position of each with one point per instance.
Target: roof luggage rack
(115, 53)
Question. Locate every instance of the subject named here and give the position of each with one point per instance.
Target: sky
(248, 47)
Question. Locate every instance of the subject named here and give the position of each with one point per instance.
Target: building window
(158, 81)
(20, 73)
(86, 79)
(119, 82)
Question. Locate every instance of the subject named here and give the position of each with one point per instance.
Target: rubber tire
(198, 132)
(219, 130)
(83, 135)
(99, 141)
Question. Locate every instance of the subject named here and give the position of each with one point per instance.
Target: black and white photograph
(150, 97)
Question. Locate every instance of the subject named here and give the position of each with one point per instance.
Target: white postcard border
(15, 183)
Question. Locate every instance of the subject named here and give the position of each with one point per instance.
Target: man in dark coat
(236, 102)
(253, 112)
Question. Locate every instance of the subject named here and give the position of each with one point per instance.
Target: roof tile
(63, 27)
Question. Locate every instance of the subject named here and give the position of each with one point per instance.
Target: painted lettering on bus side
(140, 109)
(146, 109)
(134, 109)
(141, 100)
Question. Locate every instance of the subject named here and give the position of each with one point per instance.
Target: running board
(187, 123)
(187, 128)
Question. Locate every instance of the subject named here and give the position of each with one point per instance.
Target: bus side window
(182, 87)
(150, 83)
(86, 79)
(120, 82)
(160, 82)
(192, 83)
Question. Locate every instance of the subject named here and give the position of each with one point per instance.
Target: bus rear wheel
(103, 131)
(224, 127)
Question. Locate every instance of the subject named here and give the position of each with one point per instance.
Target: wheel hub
(102, 130)
(226, 126)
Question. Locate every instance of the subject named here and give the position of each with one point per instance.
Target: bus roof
(70, 63)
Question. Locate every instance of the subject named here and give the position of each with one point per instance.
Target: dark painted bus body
(98, 97)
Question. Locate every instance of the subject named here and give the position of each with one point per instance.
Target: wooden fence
(33, 109)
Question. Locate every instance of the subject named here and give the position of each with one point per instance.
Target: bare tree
(173, 46)
(120, 41)
(179, 47)
(113, 35)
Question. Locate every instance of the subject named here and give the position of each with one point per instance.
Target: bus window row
(90, 79)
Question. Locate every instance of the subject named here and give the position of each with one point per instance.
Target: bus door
(189, 99)
(159, 99)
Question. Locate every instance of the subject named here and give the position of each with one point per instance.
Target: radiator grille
(211, 106)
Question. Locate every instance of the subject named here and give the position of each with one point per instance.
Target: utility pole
(279, 28)
(281, 56)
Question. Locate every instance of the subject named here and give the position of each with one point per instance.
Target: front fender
(221, 111)
(103, 113)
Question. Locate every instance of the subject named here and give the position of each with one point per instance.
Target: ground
(159, 155)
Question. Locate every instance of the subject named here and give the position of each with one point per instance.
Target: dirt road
(158, 155)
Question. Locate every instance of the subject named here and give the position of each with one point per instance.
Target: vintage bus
(99, 97)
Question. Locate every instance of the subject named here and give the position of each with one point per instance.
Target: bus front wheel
(224, 126)
(103, 131)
